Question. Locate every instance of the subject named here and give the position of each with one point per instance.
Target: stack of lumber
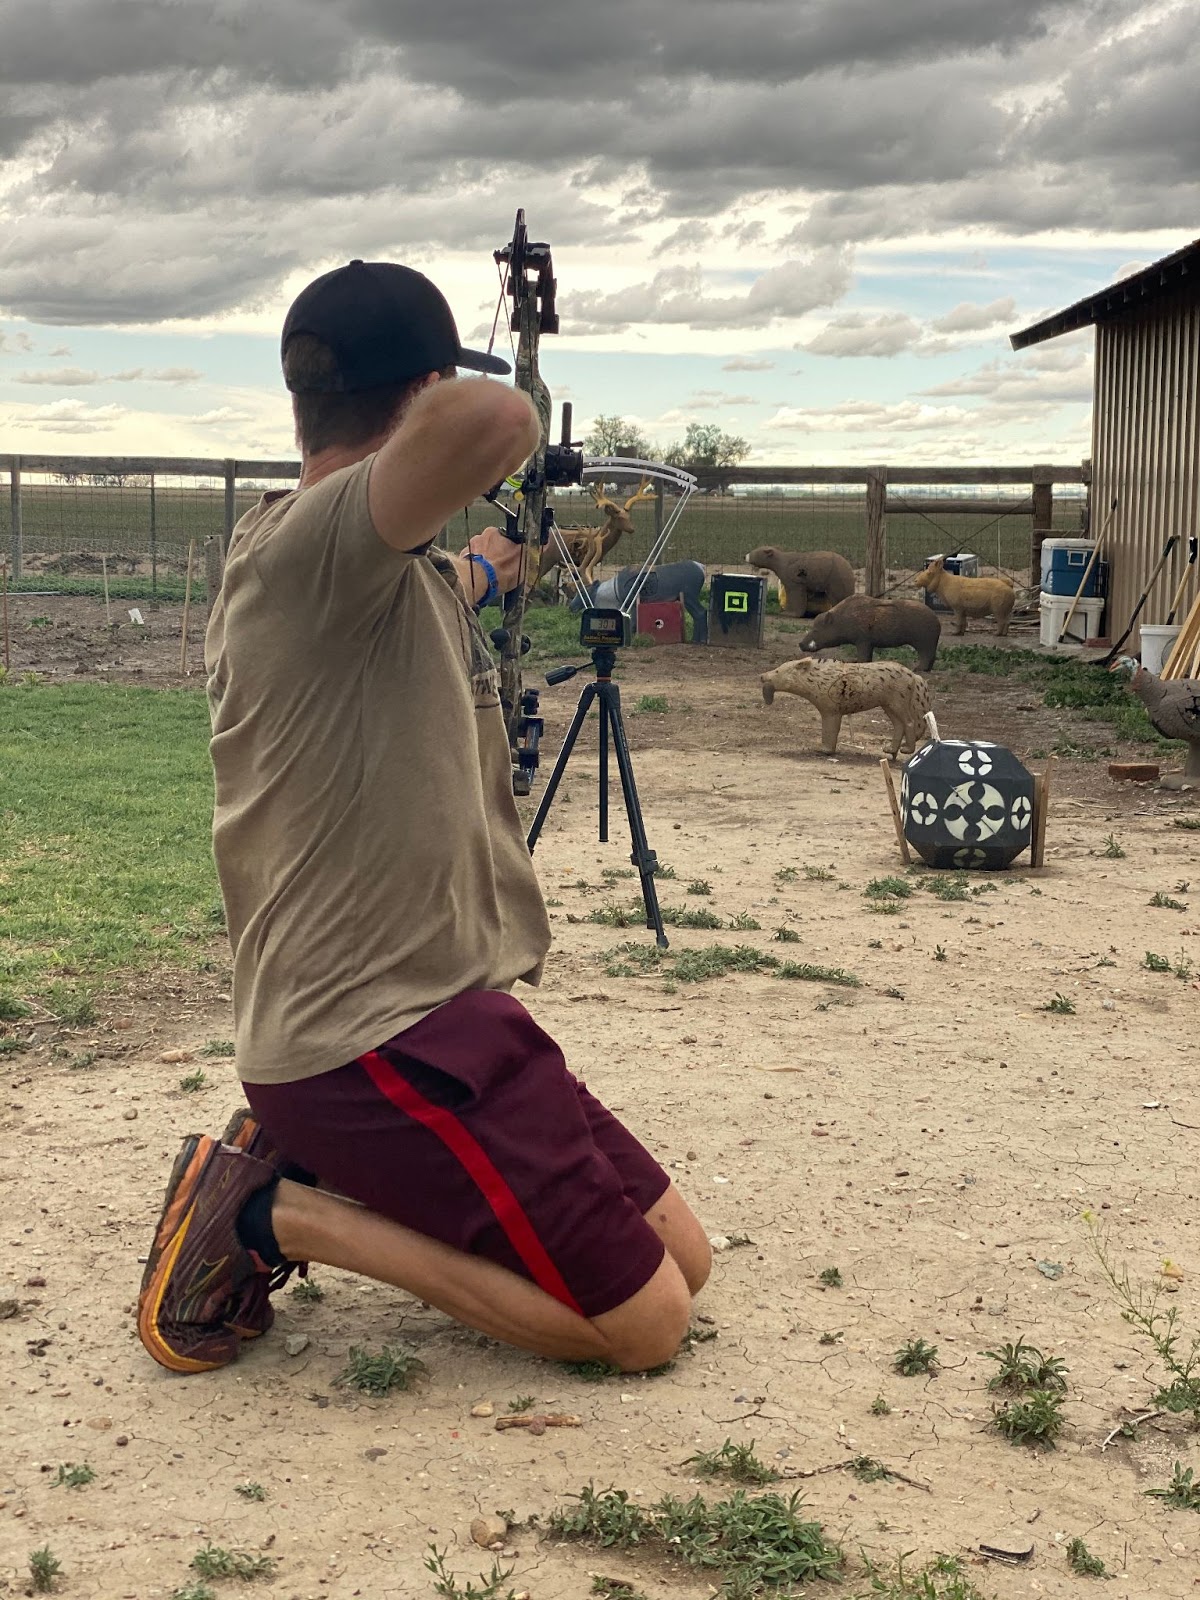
(1184, 660)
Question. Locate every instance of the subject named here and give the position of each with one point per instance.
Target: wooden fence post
(153, 536)
(14, 493)
(230, 499)
(1043, 519)
(876, 573)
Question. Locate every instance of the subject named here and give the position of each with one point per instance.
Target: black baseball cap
(384, 323)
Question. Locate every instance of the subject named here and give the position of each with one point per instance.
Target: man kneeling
(381, 902)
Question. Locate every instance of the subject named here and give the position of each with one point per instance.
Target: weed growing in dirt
(75, 1477)
(831, 1277)
(615, 1589)
(699, 886)
(1183, 1491)
(11, 1046)
(308, 1291)
(942, 1579)
(82, 1061)
(11, 1009)
(211, 1561)
(888, 889)
(591, 1371)
(44, 1568)
(744, 923)
(786, 936)
(817, 874)
(914, 1358)
(885, 908)
(694, 966)
(880, 1407)
(217, 1047)
(894, 994)
(194, 1591)
(1190, 823)
(687, 917)
(193, 1082)
(491, 1587)
(737, 1462)
(830, 1338)
(752, 1544)
(1155, 963)
(1112, 850)
(613, 916)
(947, 888)
(379, 1374)
(1023, 1366)
(695, 1336)
(250, 1491)
(652, 702)
(1036, 1420)
(1182, 967)
(790, 874)
(74, 1008)
(662, 871)
(1082, 1562)
(939, 953)
(1060, 1005)
(1166, 903)
(806, 972)
(522, 1402)
(1141, 1309)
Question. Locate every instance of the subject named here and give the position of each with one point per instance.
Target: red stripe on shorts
(479, 1166)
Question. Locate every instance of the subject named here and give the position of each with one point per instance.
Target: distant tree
(615, 436)
(706, 445)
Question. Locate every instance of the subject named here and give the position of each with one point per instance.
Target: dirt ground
(935, 1134)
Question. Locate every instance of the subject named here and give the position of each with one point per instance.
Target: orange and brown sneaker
(199, 1277)
(252, 1314)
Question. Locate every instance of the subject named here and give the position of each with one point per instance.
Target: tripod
(609, 695)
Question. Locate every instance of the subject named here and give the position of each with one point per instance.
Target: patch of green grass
(1192, 824)
(915, 1357)
(591, 1371)
(379, 1374)
(749, 1543)
(699, 886)
(880, 1407)
(947, 888)
(790, 874)
(939, 953)
(888, 889)
(521, 1402)
(250, 1490)
(661, 871)
(1036, 1420)
(308, 1291)
(212, 1561)
(831, 1277)
(1155, 963)
(11, 1009)
(944, 1578)
(688, 917)
(1060, 1005)
(193, 1082)
(74, 1477)
(737, 1462)
(73, 1007)
(1165, 902)
(652, 702)
(745, 923)
(44, 1569)
(614, 916)
(194, 1591)
(1112, 849)
(786, 936)
(217, 1047)
(1183, 1491)
(1023, 1366)
(615, 1588)
(1082, 1562)
(105, 819)
(611, 874)
(11, 1046)
(816, 874)
(807, 972)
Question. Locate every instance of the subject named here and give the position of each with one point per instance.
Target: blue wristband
(489, 572)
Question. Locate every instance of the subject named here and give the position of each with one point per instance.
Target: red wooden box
(662, 620)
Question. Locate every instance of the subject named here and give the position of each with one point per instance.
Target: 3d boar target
(967, 803)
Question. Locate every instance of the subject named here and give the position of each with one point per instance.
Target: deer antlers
(646, 491)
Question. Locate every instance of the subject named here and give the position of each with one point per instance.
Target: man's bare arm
(457, 440)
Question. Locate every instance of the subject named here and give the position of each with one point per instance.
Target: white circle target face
(969, 858)
(975, 762)
(924, 809)
(974, 812)
(1021, 813)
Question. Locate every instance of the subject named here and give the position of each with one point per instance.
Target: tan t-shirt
(367, 843)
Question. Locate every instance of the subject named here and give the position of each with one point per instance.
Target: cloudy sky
(813, 222)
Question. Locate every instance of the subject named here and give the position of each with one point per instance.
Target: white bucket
(1157, 640)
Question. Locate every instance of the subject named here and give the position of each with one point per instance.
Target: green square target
(738, 600)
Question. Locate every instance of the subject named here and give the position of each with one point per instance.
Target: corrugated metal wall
(1146, 452)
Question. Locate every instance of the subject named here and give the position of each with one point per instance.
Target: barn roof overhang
(1119, 299)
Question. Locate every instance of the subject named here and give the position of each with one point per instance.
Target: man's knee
(648, 1329)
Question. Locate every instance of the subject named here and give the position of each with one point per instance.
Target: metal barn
(1145, 428)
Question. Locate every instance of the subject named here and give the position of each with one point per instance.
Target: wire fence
(68, 523)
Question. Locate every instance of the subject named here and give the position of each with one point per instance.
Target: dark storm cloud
(170, 158)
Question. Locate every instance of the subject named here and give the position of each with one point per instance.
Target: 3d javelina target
(967, 803)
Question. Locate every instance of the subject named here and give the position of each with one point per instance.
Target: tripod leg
(603, 778)
(560, 766)
(642, 856)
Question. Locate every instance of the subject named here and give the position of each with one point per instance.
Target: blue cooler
(1064, 562)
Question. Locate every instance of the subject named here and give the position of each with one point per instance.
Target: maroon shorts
(469, 1128)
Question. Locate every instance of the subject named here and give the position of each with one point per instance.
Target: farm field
(899, 1146)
